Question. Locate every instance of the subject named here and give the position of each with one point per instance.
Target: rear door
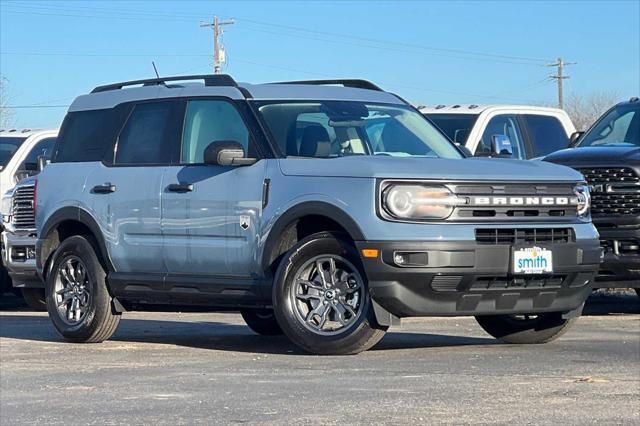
(126, 188)
(210, 221)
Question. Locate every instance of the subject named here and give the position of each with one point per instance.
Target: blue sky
(428, 52)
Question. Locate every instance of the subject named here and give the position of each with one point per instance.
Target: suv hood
(486, 169)
(595, 155)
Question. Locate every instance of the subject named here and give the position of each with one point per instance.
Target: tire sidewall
(80, 247)
(315, 245)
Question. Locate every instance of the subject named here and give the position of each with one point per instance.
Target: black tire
(35, 298)
(99, 321)
(637, 291)
(542, 328)
(262, 321)
(361, 332)
(6, 284)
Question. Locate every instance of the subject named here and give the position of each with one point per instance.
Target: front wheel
(35, 298)
(78, 301)
(525, 329)
(321, 299)
(262, 321)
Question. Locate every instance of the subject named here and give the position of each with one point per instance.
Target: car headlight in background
(414, 201)
(584, 200)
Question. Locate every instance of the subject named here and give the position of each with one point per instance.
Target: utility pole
(559, 77)
(218, 49)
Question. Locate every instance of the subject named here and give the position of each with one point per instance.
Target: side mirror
(574, 139)
(466, 151)
(226, 153)
(501, 145)
(43, 161)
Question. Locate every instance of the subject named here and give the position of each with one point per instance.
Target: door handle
(107, 188)
(180, 187)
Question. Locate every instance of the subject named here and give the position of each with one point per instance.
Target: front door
(211, 214)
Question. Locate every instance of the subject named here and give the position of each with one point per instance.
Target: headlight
(584, 200)
(419, 201)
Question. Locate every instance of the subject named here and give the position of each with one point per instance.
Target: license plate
(532, 260)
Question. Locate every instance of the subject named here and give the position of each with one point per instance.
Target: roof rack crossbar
(209, 80)
(350, 82)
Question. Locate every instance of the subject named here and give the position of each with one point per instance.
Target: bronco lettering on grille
(523, 201)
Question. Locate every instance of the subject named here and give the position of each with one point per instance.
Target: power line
(33, 106)
(137, 14)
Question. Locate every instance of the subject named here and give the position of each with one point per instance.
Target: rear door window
(150, 135)
(88, 135)
(456, 126)
(546, 133)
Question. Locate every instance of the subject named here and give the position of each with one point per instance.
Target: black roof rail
(209, 80)
(348, 82)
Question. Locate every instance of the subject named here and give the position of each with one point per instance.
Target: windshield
(456, 126)
(619, 127)
(329, 129)
(8, 147)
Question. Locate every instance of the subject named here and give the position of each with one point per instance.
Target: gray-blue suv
(324, 210)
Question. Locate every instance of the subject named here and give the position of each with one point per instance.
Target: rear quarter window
(547, 134)
(87, 135)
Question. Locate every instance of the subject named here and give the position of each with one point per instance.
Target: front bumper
(468, 278)
(18, 256)
(621, 264)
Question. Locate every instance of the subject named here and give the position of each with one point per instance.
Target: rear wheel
(525, 329)
(638, 291)
(321, 298)
(262, 321)
(35, 298)
(78, 302)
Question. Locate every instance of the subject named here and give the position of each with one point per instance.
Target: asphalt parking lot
(183, 368)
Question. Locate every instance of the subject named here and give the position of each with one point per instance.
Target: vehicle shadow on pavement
(215, 336)
(611, 303)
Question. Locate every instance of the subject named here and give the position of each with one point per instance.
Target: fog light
(411, 259)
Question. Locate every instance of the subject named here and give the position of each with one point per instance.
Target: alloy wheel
(328, 294)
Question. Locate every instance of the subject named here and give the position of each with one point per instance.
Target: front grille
(595, 175)
(22, 211)
(615, 191)
(524, 235)
(536, 281)
(615, 204)
(512, 211)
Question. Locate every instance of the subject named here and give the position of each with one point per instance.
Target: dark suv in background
(608, 155)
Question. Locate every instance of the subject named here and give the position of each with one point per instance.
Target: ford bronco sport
(326, 210)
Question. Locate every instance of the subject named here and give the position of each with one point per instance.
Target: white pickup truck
(20, 152)
(517, 131)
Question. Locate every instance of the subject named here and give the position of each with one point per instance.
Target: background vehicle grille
(22, 211)
(596, 175)
(524, 235)
(615, 192)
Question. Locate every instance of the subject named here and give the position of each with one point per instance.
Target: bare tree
(584, 110)
(6, 113)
